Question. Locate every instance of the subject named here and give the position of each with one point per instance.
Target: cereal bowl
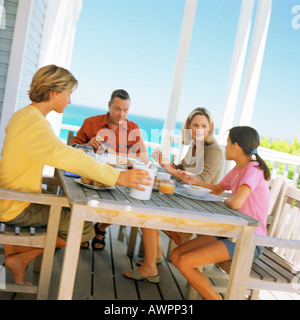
(196, 191)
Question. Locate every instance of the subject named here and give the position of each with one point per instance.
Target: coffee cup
(146, 194)
(163, 176)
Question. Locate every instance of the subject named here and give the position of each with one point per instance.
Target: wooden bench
(18, 236)
(37, 237)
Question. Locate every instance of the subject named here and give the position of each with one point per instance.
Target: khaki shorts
(36, 215)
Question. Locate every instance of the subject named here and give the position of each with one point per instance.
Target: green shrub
(292, 148)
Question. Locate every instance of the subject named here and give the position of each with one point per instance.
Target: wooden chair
(38, 238)
(280, 198)
(278, 269)
(131, 238)
(70, 137)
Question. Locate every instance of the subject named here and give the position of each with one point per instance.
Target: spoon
(189, 182)
(187, 179)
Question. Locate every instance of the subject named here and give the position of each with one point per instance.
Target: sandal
(98, 241)
(84, 245)
(136, 275)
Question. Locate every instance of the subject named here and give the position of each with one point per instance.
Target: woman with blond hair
(204, 161)
(204, 157)
(30, 144)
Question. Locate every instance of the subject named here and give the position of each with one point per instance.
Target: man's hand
(94, 143)
(134, 178)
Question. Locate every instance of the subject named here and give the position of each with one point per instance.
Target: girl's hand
(186, 176)
(134, 178)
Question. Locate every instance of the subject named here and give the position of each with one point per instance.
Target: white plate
(113, 160)
(93, 187)
(207, 197)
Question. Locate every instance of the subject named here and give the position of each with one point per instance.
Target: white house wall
(39, 32)
(32, 50)
(6, 37)
(18, 73)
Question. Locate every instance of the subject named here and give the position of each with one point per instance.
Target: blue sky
(132, 44)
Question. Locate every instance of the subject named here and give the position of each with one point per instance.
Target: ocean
(76, 114)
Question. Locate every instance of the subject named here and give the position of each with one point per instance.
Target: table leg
(49, 251)
(241, 265)
(71, 254)
(132, 241)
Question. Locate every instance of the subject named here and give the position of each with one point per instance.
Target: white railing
(276, 157)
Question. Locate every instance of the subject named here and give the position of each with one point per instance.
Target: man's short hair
(122, 94)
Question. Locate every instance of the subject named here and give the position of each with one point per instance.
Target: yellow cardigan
(30, 144)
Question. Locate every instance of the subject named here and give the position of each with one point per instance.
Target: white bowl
(196, 191)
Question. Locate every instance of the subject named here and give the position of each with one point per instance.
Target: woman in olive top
(204, 159)
(30, 144)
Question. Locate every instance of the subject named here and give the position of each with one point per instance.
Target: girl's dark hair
(247, 138)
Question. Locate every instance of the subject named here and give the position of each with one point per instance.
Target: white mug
(163, 176)
(146, 194)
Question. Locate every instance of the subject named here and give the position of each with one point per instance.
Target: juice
(166, 189)
(156, 183)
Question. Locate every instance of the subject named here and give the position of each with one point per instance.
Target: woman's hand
(134, 178)
(157, 156)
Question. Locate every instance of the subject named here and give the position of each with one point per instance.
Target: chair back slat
(288, 226)
(278, 205)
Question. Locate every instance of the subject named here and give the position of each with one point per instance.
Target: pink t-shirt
(257, 203)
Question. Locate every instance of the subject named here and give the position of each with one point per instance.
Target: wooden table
(163, 212)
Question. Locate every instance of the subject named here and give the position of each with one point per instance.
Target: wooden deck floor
(99, 276)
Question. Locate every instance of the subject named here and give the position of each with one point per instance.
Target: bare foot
(15, 263)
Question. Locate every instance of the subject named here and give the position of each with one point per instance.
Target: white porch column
(256, 55)
(185, 39)
(2, 15)
(15, 64)
(58, 41)
(237, 67)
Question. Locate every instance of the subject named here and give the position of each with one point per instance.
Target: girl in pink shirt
(250, 194)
